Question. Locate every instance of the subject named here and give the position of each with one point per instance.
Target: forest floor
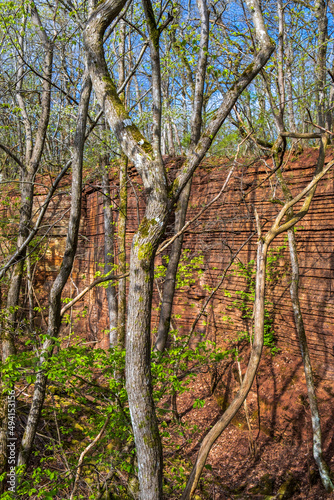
(281, 464)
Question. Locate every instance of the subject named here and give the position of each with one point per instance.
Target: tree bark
(149, 165)
(123, 204)
(170, 279)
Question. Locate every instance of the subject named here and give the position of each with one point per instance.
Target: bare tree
(160, 199)
(181, 211)
(54, 319)
(29, 166)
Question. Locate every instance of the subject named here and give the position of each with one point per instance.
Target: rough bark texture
(123, 203)
(277, 228)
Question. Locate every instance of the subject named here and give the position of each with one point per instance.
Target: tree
(160, 81)
(160, 199)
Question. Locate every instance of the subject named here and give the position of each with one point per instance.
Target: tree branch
(13, 156)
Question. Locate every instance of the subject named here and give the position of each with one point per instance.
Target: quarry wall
(218, 233)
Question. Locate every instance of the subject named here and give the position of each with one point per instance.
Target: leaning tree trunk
(248, 379)
(180, 215)
(54, 320)
(277, 228)
(29, 169)
(315, 417)
(170, 280)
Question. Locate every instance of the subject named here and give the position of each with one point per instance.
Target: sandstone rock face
(211, 240)
(217, 234)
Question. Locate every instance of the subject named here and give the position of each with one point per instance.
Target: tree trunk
(289, 94)
(33, 154)
(248, 379)
(180, 215)
(109, 252)
(170, 280)
(315, 417)
(61, 279)
(121, 238)
(171, 147)
(138, 349)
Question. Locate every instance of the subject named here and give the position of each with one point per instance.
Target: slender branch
(266, 47)
(98, 281)
(196, 115)
(320, 128)
(13, 156)
(126, 81)
(84, 453)
(298, 135)
(277, 229)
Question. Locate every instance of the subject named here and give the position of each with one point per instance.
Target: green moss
(145, 251)
(140, 139)
(112, 92)
(153, 30)
(145, 225)
(121, 111)
(275, 201)
(174, 188)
